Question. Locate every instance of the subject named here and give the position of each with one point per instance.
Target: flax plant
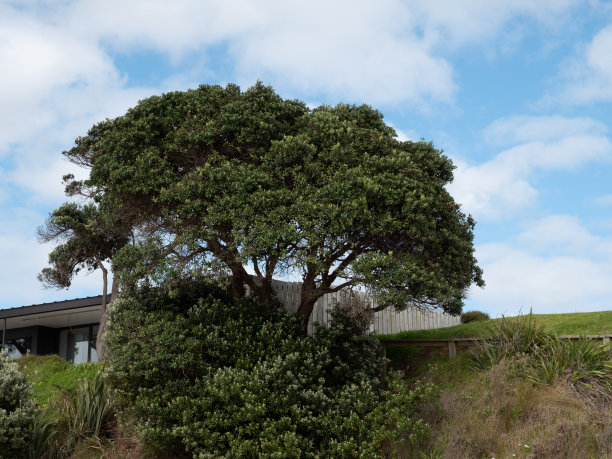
(510, 337)
(585, 364)
(89, 410)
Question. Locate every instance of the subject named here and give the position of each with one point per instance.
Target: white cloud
(501, 186)
(555, 266)
(604, 200)
(587, 78)
(478, 21)
(521, 129)
(384, 52)
(560, 234)
(41, 62)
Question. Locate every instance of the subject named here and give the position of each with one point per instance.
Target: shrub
(204, 374)
(18, 409)
(473, 316)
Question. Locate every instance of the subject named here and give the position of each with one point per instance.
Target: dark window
(78, 345)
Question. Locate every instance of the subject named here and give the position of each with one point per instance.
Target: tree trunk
(100, 345)
(308, 297)
(238, 290)
(304, 312)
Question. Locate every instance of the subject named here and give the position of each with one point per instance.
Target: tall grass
(586, 365)
(500, 413)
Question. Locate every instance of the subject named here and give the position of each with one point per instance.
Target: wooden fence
(387, 321)
(455, 344)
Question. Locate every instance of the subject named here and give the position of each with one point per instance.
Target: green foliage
(86, 240)
(219, 178)
(511, 338)
(473, 316)
(18, 410)
(212, 376)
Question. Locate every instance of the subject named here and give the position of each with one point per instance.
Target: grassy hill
(578, 323)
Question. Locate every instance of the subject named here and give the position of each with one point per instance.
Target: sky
(518, 93)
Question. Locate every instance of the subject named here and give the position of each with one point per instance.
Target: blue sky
(518, 93)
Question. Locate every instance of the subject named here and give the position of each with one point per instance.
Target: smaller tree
(87, 242)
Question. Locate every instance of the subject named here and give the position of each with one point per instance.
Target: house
(67, 328)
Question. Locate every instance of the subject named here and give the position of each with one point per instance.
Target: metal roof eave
(50, 307)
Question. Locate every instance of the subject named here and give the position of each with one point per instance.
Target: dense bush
(207, 375)
(18, 410)
(473, 316)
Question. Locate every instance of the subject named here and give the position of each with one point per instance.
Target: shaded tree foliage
(218, 180)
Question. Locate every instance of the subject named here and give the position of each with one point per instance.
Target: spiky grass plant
(585, 364)
(510, 337)
(43, 443)
(89, 410)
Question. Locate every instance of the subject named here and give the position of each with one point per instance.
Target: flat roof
(51, 307)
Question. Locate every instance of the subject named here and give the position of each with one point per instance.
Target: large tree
(218, 180)
(85, 241)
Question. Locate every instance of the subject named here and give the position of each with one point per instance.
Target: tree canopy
(215, 180)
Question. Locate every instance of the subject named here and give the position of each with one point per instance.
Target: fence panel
(387, 321)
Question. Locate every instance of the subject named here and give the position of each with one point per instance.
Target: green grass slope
(50, 374)
(578, 323)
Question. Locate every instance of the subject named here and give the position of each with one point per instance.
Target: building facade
(67, 328)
